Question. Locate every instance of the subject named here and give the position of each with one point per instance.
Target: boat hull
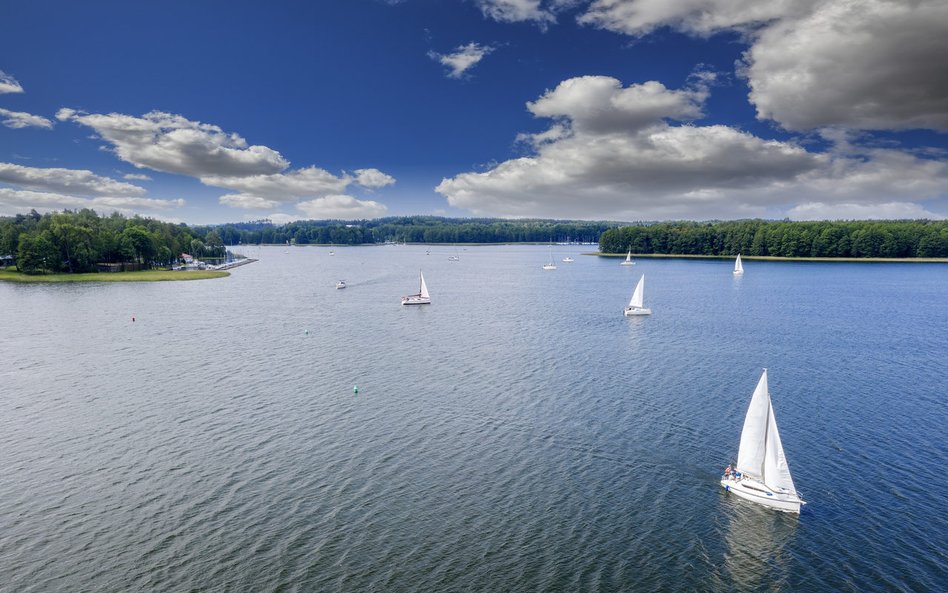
(627, 263)
(738, 273)
(754, 491)
(416, 300)
(632, 311)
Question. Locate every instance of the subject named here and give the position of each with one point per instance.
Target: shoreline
(868, 260)
(7, 275)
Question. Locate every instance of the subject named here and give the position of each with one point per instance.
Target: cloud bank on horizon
(835, 80)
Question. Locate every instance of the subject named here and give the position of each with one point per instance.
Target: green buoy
(355, 389)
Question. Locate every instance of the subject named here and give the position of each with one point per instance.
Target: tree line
(861, 239)
(413, 229)
(77, 241)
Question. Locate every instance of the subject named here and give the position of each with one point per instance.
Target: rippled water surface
(519, 434)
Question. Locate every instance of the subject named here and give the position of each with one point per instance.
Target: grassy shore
(911, 260)
(11, 275)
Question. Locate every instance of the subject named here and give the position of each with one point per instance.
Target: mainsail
(639, 294)
(424, 287)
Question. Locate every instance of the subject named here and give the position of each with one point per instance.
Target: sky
(629, 110)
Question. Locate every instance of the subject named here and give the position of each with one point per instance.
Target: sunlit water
(519, 434)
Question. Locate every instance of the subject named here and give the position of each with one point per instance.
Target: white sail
(424, 287)
(628, 259)
(750, 456)
(738, 266)
(638, 296)
(776, 471)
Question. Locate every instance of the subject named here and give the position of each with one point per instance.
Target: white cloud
(598, 104)
(700, 17)
(341, 207)
(136, 177)
(512, 11)
(247, 202)
(373, 178)
(611, 154)
(279, 218)
(852, 211)
(69, 181)
(283, 187)
(19, 119)
(873, 64)
(8, 84)
(867, 64)
(462, 59)
(13, 201)
(173, 144)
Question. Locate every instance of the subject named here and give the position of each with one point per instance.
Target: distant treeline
(897, 239)
(414, 229)
(77, 241)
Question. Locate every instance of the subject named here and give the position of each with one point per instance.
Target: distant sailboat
(421, 298)
(761, 474)
(340, 284)
(738, 266)
(636, 304)
(331, 252)
(628, 259)
(550, 265)
(568, 259)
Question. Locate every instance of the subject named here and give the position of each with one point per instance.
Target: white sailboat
(738, 266)
(761, 474)
(550, 265)
(636, 303)
(628, 259)
(331, 252)
(340, 284)
(421, 298)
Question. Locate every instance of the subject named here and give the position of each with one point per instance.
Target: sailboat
(550, 265)
(341, 284)
(628, 259)
(422, 298)
(636, 303)
(738, 266)
(331, 252)
(761, 474)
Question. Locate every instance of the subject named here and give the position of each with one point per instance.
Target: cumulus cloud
(173, 144)
(8, 84)
(512, 11)
(373, 178)
(875, 64)
(247, 201)
(136, 177)
(14, 200)
(68, 181)
(19, 119)
(461, 59)
(283, 187)
(872, 64)
(700, 17)
(341, 207)
(617, 153)
(853, 211)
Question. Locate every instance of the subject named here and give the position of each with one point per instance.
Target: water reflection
(758, 554)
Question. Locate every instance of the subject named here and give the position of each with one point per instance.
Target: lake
(518, 434)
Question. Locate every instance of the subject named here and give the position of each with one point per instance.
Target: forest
(77, 241)
(414, 229)
(859, 239)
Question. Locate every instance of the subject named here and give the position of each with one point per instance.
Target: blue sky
(208, 112)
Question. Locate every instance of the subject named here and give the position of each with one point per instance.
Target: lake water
(519, 434)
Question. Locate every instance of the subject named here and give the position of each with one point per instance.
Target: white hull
(754, 491)
(629, 311)
(567, 259)
(340, 285)
(549, 267)
(741, 273)
(627, 263)
(416, 300)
